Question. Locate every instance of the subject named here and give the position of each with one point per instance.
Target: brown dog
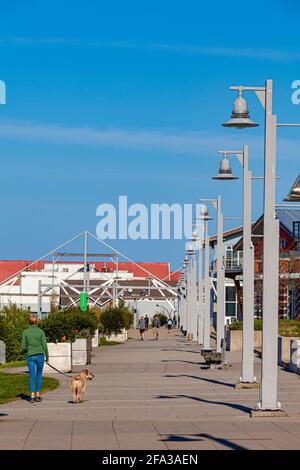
(78, 385)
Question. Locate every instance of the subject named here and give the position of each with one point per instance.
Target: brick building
(289, 264)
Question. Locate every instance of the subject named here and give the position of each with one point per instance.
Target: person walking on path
(147, 322)
(35, 345)
(142, 327)
(155, 327)
(169, 324)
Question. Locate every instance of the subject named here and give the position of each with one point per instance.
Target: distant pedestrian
(147, 322)
(155, 327)
(35, 344)
(142, 327)
(169, 325)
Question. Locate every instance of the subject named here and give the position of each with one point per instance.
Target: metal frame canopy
(109, 289)
(89, 255)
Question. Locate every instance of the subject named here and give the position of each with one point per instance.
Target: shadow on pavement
(202, 437)
(213, 381)
(235, 406)
(182, 350)
(177, 438)
(185, 362)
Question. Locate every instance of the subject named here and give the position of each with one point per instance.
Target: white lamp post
(187, 295)
(192, 331)
(206, 318)
(199, 287)
(247, 378)
(220, 274)
(240, 119)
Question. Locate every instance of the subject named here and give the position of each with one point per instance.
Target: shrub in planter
(84, 323)
(290, 328)
(59, 327)
(68, 325)
(126, 314)
(238, 325)
(112, 321)
(163, 319)
(13, 321)
(96, 312)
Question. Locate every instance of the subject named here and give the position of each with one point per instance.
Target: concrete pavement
(154, 395)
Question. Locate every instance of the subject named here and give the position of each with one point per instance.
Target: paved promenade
(154, 395)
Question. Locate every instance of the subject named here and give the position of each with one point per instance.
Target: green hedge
(13, 321)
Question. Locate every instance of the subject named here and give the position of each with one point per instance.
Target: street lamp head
(204, 215)
(294, 194)
(194, 235)
(190, 249)
(240, 118)
(225, 172)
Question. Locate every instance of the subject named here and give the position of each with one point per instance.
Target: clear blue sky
(127, 97)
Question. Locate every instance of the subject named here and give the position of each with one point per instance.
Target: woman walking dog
(35, 344)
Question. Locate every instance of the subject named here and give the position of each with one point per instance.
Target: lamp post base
(246, 385)
(268, 414)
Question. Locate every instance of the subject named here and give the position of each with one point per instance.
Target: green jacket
(34, 341)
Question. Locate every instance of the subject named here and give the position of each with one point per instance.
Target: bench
(212, 357)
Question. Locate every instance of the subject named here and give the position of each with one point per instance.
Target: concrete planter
(284, 351)
(81, 351)
(120, 338)
(234, 340)
(294, 365)
(60, 356)
(95, 339)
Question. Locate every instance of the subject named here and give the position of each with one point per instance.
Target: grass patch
(104, 342)
(285, 327)
(238, 325)
(13, 364)
(14, 386)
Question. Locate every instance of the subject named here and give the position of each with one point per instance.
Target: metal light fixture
(194, 235)
(204, 215)
(294, 194)
(240, 115)
(186, 261)
(190, 249)
(225, 172)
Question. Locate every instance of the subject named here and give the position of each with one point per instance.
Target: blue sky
(127, 98)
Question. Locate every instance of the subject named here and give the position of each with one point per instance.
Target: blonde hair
(32, 319)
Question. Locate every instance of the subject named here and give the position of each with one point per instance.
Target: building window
(229, 251)
(296, 230)
(230, 301)
(282, 243)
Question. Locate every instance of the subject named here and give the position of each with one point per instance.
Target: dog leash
(59, 371)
